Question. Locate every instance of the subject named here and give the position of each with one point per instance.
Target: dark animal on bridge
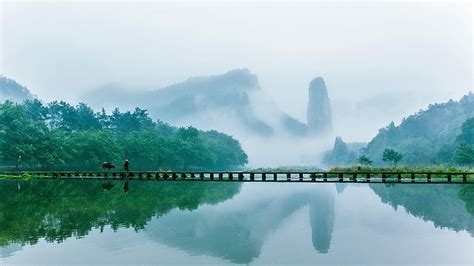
(107, 165)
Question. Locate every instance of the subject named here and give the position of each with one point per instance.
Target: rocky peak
(319, 108)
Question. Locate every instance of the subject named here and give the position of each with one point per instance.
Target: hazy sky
(383, 60)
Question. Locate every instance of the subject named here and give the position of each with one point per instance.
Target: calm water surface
(70, 222)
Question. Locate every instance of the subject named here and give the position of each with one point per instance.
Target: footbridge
(258, 176)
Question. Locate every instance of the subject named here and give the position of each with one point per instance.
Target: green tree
(90, 148)
(63, 116)
(465, 143)
(390, 155)
(59, 135)
(20, 135)
(467, 132)
(464, 154)
(364, 160)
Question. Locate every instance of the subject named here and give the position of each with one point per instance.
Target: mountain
(12, 90)
(232, 102)
(427, 137)
(342, 154)
(319, 107)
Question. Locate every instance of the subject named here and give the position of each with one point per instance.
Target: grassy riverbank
(21, 176)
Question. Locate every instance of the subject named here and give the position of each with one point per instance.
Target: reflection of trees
(450, 206)
(56, 210)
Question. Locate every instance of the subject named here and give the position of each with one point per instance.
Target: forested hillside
(427, 137)
(442, 134)
(58, 135)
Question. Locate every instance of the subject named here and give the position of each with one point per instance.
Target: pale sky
(380, 60)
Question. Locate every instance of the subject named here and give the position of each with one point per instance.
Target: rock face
(319, 108)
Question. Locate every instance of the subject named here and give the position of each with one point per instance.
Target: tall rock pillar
(319, 108)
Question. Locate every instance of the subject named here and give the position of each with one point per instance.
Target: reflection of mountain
(238, 234)
(444, 205)
(233, 234)
(56, 210)
(321, 215)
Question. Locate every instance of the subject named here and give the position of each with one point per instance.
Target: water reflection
(447, 206)
(199, 218)
(56, 210)
(235, 232)
(322, 215)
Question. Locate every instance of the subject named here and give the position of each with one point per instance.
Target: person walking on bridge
(125, 165)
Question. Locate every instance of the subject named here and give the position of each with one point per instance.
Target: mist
(381, 61)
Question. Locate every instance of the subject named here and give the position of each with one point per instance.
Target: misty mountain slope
(12, 90)
(235, 103)
(427, 137)
(205, 102)
(232, 102)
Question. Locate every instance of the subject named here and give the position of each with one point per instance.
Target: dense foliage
(58, 135)
(465, 144)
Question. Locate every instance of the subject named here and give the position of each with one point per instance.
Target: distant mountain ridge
(12, 90)
(232, 102)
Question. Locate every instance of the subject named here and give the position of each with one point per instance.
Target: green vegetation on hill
(441, 135)
(464, 154)
(61, 136)
(427, 137)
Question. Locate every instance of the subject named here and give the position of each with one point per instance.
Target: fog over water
(380, 61)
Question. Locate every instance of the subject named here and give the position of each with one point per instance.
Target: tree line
(58, 135)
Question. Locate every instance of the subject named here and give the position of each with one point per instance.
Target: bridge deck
(308, 177)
